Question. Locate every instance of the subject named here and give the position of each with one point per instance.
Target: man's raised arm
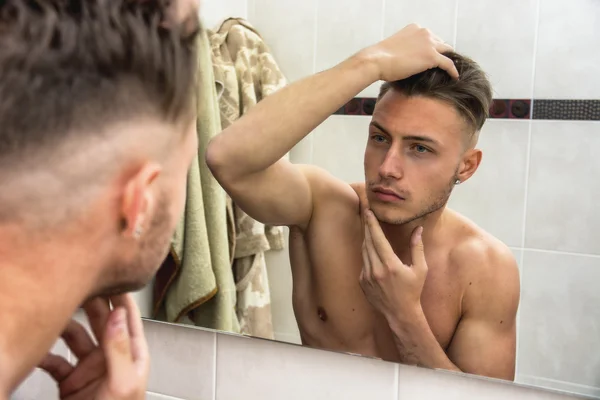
(246, 158)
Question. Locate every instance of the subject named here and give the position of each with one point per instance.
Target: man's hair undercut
(470, 95)
(72, 67)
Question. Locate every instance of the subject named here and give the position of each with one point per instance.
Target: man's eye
(379, 138)
(421, 149)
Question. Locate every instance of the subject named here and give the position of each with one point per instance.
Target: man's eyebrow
(419, 138)
(381, 128)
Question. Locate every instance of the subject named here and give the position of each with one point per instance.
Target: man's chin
(119, 289)
(388, 215)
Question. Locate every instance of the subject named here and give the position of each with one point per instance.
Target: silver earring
(457, 182)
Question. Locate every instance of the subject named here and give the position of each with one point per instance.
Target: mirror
(510, 284)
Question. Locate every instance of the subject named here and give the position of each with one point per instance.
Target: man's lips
(387, 194)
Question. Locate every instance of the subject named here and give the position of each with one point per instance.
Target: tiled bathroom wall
(195, 364)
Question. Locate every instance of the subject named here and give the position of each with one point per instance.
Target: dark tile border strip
(580, 110)
(358, 106)
(511, 109)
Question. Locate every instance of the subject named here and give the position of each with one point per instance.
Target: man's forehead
(417, 115)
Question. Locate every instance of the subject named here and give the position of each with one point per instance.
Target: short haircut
(70, 71)
(73, 66)
(470, 95)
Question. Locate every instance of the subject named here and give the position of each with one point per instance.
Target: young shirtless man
(383, 268)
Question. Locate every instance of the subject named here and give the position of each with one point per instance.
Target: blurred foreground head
(97, 130)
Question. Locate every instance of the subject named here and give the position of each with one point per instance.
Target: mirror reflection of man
(98, 130)
(383, 268)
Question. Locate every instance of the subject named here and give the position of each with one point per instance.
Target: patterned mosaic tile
(507, 109)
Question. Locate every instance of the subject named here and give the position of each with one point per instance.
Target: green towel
(203, 292)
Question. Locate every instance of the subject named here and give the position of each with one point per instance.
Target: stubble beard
(439, 201)
(153, 249)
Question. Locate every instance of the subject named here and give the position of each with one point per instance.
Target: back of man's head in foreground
(97, 128)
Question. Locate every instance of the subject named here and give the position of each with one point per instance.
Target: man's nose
(392, 166)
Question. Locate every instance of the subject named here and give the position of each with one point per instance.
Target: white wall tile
(288, 28)
(566, 65)
(143, 299)
(343, 28)
(339, 146)
(559, 333)
(213, 12)
(81, 317)
(301, 153)
(156, 396)
(427, 384)
(494, 196)
(499, 35)
(39, 385)
(182, 360)
(436, 15)
(562, 207)
(562, 386)
(517, 254)
(371, 90)
(251, 8)
(279, 271)
(292, 338)
(253, 369)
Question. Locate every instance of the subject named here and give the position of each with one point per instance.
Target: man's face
(414, 154)
(138, 260)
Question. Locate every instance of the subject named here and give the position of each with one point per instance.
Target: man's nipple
(322, 314)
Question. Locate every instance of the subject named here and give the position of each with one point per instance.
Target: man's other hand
(117, 368)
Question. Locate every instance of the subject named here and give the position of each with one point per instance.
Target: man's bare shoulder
(488, 264)
(328, 190)
(474, 245)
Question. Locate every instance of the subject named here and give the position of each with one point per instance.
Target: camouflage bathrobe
(248, 72)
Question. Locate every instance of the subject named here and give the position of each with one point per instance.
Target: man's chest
(441, 300)
(340, 311)
(330, 302)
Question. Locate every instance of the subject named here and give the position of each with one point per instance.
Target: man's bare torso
(330, 307)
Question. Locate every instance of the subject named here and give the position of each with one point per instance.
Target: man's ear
(137, 204)
(469, 164)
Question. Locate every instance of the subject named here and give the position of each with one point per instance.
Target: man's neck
(40, 289)
(399, 236)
